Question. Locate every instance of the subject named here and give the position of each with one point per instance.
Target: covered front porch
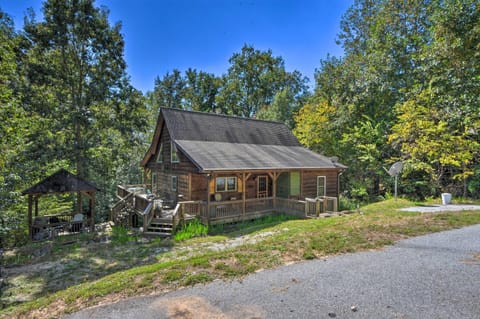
(228, 197)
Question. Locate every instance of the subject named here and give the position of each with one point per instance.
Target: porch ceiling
(211, 156)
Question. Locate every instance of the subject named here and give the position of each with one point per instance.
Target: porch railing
(225, 210)
(259, 205)
(136, 198)
(291, 206)
(188, 209)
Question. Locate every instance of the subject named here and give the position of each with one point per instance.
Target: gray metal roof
(196, 126)
(215, 156)
(220, 142)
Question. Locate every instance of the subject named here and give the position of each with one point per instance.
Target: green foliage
(253, 79)
(406, 89)
(256, 82)
(191, 229)
(66, 102)
(345, 203)
(120, 235)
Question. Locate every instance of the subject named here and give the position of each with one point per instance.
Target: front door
(262, 186)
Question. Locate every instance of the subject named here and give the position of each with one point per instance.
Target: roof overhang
(218, 156)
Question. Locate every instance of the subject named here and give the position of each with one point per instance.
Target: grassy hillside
(51, 279)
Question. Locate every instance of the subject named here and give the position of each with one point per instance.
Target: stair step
(162, 220)
(159, 228)
(157, 233)
(160, 225)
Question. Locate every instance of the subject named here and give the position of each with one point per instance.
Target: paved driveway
(440, 208)
(433, 276)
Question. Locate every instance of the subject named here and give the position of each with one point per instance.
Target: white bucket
(446, 198)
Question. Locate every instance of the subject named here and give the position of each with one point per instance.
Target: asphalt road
(433, 276)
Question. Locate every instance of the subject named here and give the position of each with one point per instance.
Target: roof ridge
(169, 109)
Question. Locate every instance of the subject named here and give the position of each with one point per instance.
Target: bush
(120, 235)
(345, 203)
(191, 229)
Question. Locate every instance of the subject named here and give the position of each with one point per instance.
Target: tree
(13, 128)
(201, 89)
(396, 54)
(170, 90)
(253, 79)
(315, 126)
(283, 107)
(89, 116)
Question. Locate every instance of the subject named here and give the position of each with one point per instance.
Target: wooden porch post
(79, 203)
(244, 197)
(274, 178)
(30, 223)
(189, 186)
(92, 211)
(209, 178)
(36, 205)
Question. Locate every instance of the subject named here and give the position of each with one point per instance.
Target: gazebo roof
(61, 182)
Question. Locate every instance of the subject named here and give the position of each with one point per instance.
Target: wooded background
(407, 88)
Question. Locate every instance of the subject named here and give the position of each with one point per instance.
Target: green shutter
(294, 183)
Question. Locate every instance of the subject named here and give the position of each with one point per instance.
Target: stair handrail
(147, 216)
(114, 208)
(175, 215)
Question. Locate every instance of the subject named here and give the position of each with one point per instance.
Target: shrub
(191, 229)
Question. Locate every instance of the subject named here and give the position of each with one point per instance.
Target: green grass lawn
(103, 272)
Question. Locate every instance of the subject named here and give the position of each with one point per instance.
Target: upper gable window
(174, 153)
(160, 154)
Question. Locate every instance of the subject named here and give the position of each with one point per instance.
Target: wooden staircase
(160, 227)
(154, 221)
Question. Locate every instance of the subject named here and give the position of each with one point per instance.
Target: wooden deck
(135, 208)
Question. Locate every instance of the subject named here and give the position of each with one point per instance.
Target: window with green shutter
(294, 183)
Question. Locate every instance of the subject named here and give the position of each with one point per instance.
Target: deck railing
(291, 206)
(187, 209)
(259, 205)
(224, 211)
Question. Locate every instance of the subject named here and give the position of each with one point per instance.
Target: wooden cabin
(224, 168)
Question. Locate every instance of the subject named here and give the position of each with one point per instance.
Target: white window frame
(173, 150)
(160, 154)
(225, 183)
(319, 178)
(174, 183)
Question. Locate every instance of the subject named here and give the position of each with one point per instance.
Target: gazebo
(61, 182)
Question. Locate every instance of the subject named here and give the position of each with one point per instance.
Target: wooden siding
(184, 166)
(183, 170)
(309, 182)
(199, 187)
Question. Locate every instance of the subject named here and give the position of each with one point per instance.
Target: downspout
(338, 183)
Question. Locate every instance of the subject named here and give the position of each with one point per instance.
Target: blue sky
(161, 35)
